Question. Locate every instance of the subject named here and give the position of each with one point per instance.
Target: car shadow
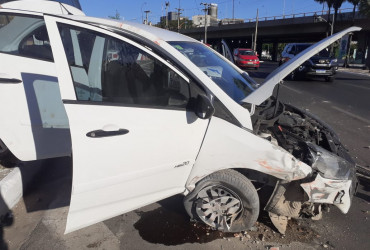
(363, 190)
(170, 225)
(53, 178)
(5, 221)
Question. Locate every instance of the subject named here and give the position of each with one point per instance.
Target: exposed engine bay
(313, 142)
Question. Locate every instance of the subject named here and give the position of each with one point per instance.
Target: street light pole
(167, 4)
(142, 18)
(255, 34)
(332, 25)
(178, 18)
(206, 7)
(146, 16)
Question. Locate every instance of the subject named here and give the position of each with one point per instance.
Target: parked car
(246, 58)
(167, 116)
(321, 65)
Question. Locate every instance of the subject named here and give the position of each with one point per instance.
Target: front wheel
(225, 200)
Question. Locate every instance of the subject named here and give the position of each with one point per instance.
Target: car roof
(53, 8)
(42, 6)
(150, 32)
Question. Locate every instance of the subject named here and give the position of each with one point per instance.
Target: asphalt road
(39, 219)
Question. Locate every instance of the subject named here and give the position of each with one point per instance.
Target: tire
(329, 79)
(225, 200)
(293, 76)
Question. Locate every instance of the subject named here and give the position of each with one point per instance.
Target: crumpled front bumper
(335, 182)
(337, 192)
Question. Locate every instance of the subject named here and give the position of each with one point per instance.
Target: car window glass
(105, 69)
(235, 84)
(301, 47)
(24, 36)
(247, 53)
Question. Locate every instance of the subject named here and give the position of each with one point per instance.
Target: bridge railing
(288, 16)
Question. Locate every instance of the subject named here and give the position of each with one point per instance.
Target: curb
(11, 190)
(13, 185)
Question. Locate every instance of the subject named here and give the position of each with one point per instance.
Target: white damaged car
(150, 113)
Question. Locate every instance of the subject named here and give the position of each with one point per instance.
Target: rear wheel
(225, 200)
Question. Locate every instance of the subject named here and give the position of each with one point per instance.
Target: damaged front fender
(228, 146)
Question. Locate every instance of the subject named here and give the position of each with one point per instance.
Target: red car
(246, 58)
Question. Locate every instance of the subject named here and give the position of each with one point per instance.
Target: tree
(336, 5)
(172, 25)
(354, 3)
(329, 3)
(364, 7)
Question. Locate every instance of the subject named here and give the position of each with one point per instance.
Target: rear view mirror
(203, 107)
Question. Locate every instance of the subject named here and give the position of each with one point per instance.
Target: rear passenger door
(134, 137)
(34, 124)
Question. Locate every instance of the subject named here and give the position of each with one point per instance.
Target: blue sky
(132, 10)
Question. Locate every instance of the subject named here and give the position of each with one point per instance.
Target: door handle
(4, 78)
(101, 133)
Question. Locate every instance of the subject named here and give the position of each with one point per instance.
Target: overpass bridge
(302, 27)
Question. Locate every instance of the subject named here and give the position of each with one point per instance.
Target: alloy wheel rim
(218, 207)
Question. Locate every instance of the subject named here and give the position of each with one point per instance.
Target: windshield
(235, 84)
(246, 52)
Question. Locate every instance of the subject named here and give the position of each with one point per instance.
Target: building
(211, 17)
(199, 20)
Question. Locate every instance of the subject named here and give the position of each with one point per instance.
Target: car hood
(267, 87)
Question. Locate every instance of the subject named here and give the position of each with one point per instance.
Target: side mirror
(203, 107)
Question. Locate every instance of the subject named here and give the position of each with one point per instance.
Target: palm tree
(354, 3)
(364, 7)
(329, 3)
(336, 5)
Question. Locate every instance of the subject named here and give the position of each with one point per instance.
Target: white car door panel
(133, 140)
(29, 91)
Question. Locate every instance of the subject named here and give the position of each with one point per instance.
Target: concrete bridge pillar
(275, 51)
(259, 48)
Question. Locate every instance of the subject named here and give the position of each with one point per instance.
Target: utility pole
(206, 7)
(167, 4)
(233, 12)
(178, 18)
(252, 44)
(255, 33)
(146, 16)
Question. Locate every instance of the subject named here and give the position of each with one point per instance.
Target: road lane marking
(355, 86)
(294, 90)
(352, 115)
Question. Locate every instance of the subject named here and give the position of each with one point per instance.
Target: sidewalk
(357, 71)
